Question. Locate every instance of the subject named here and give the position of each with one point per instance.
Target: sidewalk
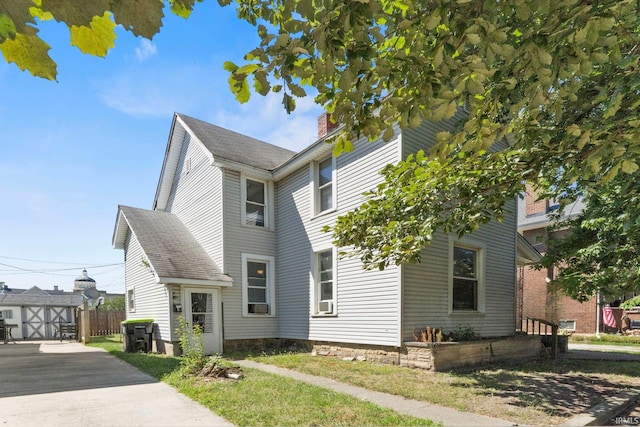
(447, 416)
(602, 352)
(51, 383)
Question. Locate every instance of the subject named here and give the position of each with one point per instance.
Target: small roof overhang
(172, 253)
(526, 253)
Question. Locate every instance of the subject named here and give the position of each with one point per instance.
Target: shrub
(192, 345)
(631, 303)
(463, 333)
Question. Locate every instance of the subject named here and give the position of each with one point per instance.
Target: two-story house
(233, 243)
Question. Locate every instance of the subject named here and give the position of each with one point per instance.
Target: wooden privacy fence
(105, 322)
(100, 322)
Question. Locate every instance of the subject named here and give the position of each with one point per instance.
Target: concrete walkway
(602, 352)
(447, 416)
(49, 383)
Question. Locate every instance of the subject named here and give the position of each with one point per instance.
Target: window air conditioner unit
(325, 307)
(259, 308)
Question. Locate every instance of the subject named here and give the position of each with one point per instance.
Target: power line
(55, 271)
(47, 262)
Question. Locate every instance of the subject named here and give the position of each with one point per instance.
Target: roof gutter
(183, 281)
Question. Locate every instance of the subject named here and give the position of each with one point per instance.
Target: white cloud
(265, 118)
(202, 92)
(146, 50)
(158, 91)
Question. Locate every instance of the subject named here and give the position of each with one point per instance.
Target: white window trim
(481, 260)
(131, 296)
(315, 281)
(271, 290)
(575, 324)
(315, 190)
(268, 198)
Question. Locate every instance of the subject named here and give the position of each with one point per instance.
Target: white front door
(203, 308)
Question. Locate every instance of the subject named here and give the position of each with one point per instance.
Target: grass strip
(519, 393)
(607, 339)
(262, 399)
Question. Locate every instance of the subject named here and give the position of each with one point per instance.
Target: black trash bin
(137, 335)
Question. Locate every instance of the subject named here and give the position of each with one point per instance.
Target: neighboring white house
(233, 243)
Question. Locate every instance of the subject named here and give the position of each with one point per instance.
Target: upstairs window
(256, 207)
(324, 191)
(255, 203)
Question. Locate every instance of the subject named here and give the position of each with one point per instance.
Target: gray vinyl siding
(238, 240)
(293, 261)
(196, 198)
(424, 136)
(426, 285)
(151, 298)
(367, 302)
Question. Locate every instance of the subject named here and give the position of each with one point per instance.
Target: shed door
(34, 323)
(53, 316)
(203, 308)
(40, 323)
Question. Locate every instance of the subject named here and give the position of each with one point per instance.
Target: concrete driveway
(56, 383)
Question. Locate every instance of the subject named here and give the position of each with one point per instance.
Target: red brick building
(536, 299)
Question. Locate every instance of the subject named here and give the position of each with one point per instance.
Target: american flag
(607, 316)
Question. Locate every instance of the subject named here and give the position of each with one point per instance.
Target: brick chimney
(325, 125)
(534, 206)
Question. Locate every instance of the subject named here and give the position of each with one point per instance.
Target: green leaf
(289, 103)
(305, 8)
(437, 59)
(261, 84)
(7, 27)
(182, 8)
(613, 107)
(544, 57)
(29, 53)
(473, 38)
(629, 166)
(246, 69)
(342, 145)
(72, 15)
(141, 17)
(239, 87)
(96, 39)
(230, 66)
(574, 130)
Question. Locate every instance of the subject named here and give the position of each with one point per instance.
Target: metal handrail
(547, 324)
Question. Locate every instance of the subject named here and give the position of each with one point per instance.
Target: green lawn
(262, 399)
(535, 393)
(607, 339)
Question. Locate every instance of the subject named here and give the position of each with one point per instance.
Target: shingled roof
(229, 145)
(35, 296)
(172, 251)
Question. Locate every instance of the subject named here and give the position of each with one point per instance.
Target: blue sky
(74, 149)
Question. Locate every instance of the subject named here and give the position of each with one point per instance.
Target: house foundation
(428, 356)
